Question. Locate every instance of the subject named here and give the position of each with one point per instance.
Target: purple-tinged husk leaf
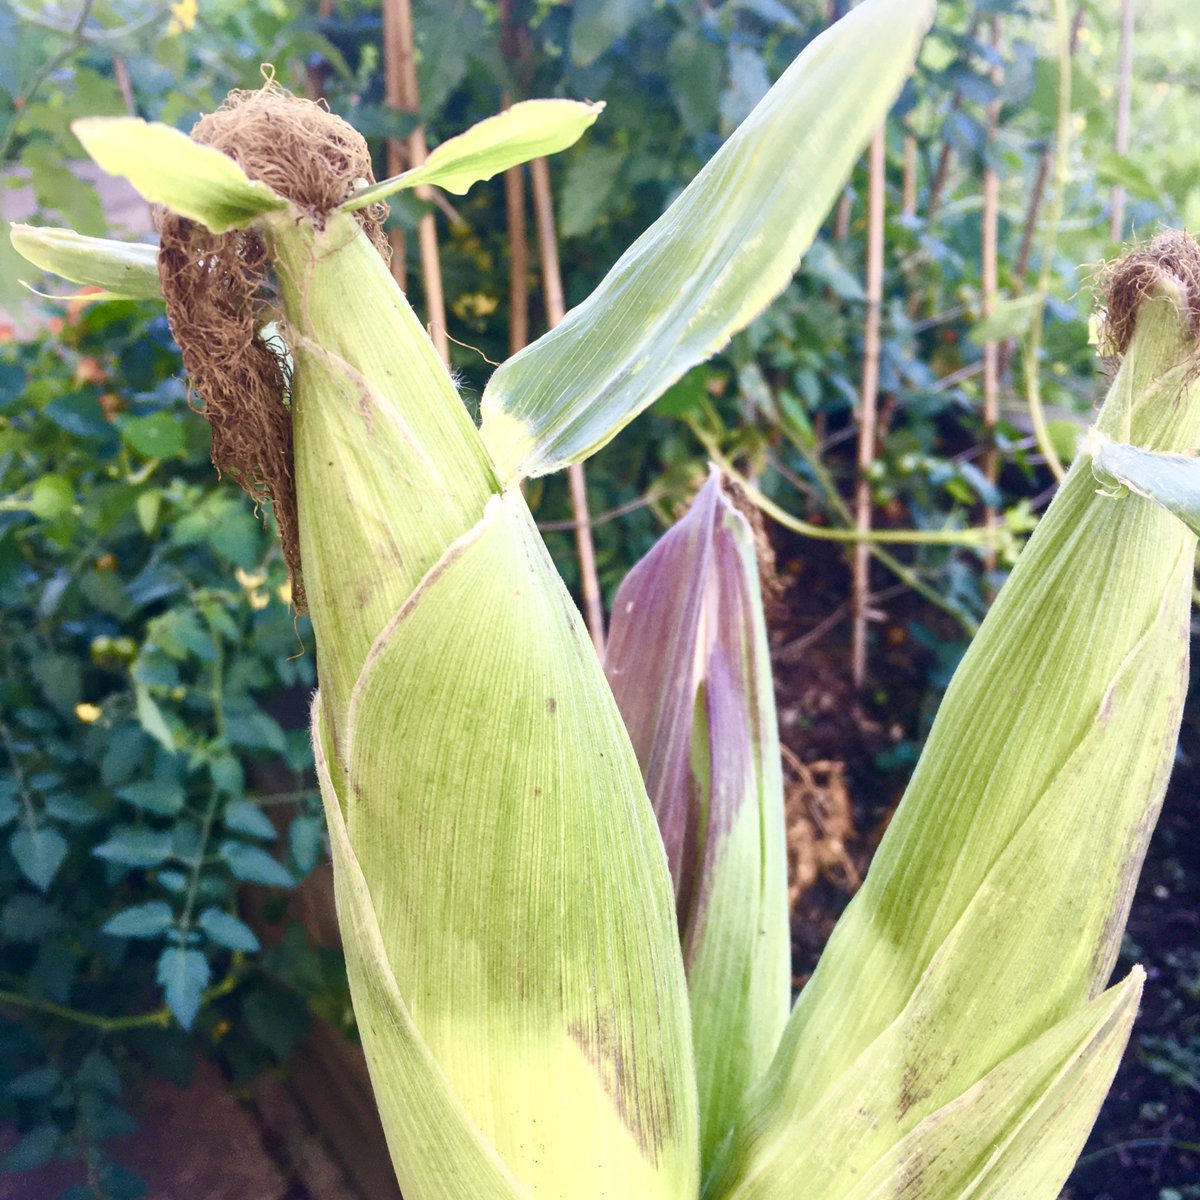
(688, 663)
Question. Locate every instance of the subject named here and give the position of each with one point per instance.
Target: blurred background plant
(156, 802)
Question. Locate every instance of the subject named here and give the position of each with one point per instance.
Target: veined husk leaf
(1170, 480)
(1015, 1133)
(412, 1091)
(714, 260)
(168, 168)
(529, 129)
(499, 860)
(490, 795)
(995, 904)
(124, 270)
(385, 437)
(689, 666)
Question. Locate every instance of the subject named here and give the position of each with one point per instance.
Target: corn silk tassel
(956, 1037)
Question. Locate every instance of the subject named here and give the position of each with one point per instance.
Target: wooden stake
(868, 405)
(316, 73)
(403, 92)
(1036, 195)
(518, 259)
(1116, 227)
(589, 583)
(908, 203)
(991, 349)
(393, 93)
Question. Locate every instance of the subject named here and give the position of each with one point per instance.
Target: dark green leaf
(150, 715)
(156, 796)
(81, 416)
(8, 810)
(32, 1085)
(99, 1074)
(696, 67)
(71, 810)
(822, 263)
(183, 975)
(105, 591)
(181, 633)
(227, 930)
(254, 730)
(141, 920)
(36, 1148)
(306, 841)
(135, 846)
(39, 853)
(243, 817)
(591, 180)
(226, 774)
(597, 24)
(124, 755)
(29, 919)
(157, 436)
(1009, 319)
(277, 1020)
(254, 865)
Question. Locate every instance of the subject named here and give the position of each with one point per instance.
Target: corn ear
(420, 1104)
(689, 666)
(490, 795)
(503, 891)
(995, 904)
(1016, 1132)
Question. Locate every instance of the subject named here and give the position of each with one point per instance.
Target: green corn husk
(488, 792)
(994, 908)
(505, 904)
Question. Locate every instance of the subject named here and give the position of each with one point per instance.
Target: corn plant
(559, 995)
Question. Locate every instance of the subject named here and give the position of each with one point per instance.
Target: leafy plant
(144, 626)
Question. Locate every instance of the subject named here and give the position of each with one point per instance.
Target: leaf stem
(157, 1016)
(1054, 212)
(823, 533)
(216, 690)
(75, 41)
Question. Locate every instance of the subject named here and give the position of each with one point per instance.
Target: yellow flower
(475, 304)
(250, 580)
(258, 600)
(89, 714)
(284, 592)
(183, 15)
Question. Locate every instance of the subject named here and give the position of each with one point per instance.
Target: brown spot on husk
(1126, 282)
(648, 1119)
(218, 291)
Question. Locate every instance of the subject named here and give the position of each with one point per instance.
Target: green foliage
(139, 641)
